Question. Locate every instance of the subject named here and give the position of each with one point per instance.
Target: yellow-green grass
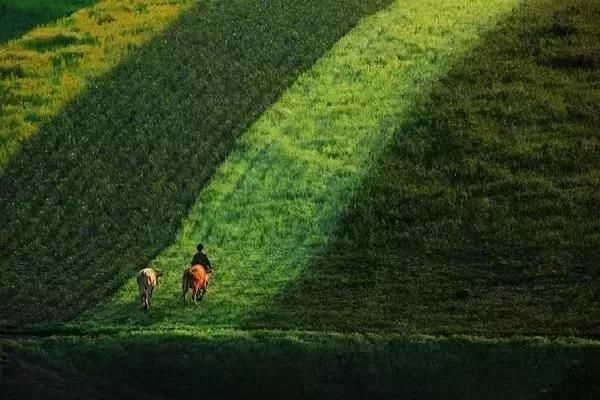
(272, 204)
(104, 186)
(482, 215)
(43, 70)
(18, 16)
(300, 365)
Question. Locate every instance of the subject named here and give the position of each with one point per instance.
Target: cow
(196, 278)
(147, 280)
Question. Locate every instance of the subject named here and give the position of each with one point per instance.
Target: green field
(118, 169)
(272, 204)
(18, 16)
(399, 199)
(482, 215)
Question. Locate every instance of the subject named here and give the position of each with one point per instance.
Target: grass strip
(104, 187)
(49, 66)
(267, 364)
(273, 203)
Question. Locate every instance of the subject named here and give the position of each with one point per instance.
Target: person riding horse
(200, 258)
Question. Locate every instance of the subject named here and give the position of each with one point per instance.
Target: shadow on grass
(104, 186)
(303, 365)
(481, 217)
(19, 16)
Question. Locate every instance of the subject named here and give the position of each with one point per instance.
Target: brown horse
(195, 278)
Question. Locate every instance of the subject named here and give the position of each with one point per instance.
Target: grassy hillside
(482, 215)
(434, 172)
(272, 204)
(272, 365)
(104, 186)
(50, 65)
(18, 16)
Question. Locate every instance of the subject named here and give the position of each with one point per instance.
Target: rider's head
(199, 247)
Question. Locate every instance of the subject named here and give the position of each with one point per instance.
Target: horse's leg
(195, 295)
(185, 292)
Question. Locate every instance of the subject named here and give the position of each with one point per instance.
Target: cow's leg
(150, 291)
(183, 295)
(145, 301)
(141, 297)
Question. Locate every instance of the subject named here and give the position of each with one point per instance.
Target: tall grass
(274, 201)
(18, 16)
(482, 215)
(104, 186)
(50, 65)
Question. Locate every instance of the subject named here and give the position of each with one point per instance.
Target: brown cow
(195, 278)
(147, 279)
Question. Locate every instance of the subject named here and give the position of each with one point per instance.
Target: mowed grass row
(50, 65)
(103, 188)
(18, 16)
(273, 203)
(297, 365)
(482, 215)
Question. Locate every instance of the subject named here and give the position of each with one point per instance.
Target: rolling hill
(399, 198)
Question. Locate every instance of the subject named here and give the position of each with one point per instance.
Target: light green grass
(272, 204)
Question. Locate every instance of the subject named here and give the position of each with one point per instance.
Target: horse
(147, 280)
(195, 278)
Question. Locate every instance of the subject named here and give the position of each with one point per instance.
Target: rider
(201, 258)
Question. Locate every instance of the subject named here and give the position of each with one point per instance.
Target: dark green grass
(227, 364)
(103, 187)
(18, 16)
(482, 216)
